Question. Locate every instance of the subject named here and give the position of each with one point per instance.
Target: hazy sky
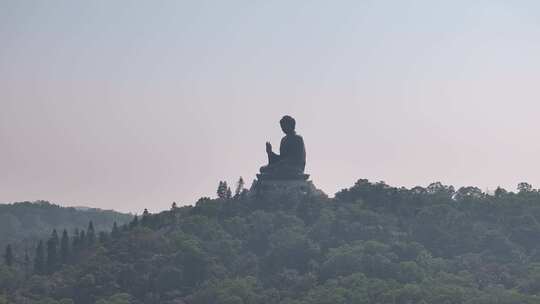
(134, 104)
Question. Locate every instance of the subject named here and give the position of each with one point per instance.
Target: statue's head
(287, 124)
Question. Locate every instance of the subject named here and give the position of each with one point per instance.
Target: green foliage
(9, 278)
(90, 234)
(52, 252)
(372, 243)
(119, 298)
(39, 259)
(223, 191)
(229, 291)
(23, 224)
(64, 247)
(8, 256)
(239, 187)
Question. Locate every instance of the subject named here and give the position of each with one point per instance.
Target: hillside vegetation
(22, 223)
(372, 243)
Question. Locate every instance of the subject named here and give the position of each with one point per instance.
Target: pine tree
(91, 234)
(76, 242)
(145, 217)
(64, 247)
(115, 232)
(82, 240)
(8, 256)
(39, 259)
(52, 252)
(239, 187)
(134, 222)
(54, 237)
(219, 189)
(228, 194)
(26, 264)
(222, 190)
(52, 255)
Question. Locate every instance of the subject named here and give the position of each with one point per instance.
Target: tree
(8, 256)
(91, 234)
(52, 255)
(439, 188)
(468, 193)
(145, 217)
(499, 192)
(39, 259)
(222, 190)
(228, 194)
(174, 206)
(26, 263)
(82, 239)
(134, 222)
(55, 238)
(524, 187)
(76, 240)
(115, 231)
(239, 187)
(169, 278)
(360, 247)
(64, 247)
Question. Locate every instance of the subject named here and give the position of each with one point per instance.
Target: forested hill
(372, 243)
(22, 223)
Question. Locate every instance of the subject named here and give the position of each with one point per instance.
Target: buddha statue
(290, 163)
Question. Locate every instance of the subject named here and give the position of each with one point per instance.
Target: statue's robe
(291, 159)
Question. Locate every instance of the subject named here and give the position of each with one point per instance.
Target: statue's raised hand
(268, 147)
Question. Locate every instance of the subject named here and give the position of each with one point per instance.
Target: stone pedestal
(275, 187)
(282, 177)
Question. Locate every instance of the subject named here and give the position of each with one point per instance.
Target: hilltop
(371, 243)
(22, 223)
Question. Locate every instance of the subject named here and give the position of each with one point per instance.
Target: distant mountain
(371, 243)
(22, 223)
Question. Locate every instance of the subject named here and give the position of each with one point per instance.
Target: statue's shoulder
(292, 137)
(298, 137)
(296, 140)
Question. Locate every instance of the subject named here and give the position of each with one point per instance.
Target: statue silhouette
(291, 160)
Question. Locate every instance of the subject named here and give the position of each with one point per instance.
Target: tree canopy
(371, 243)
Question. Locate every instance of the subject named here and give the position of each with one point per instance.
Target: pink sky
(131, 106)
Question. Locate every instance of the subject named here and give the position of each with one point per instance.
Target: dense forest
(22, 223)
(371, 243)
